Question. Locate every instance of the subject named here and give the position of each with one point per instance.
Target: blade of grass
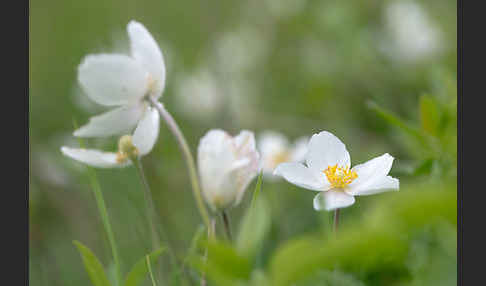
(100, 203)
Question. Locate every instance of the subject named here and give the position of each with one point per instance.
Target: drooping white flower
(226, 166)
(327, 171)
(129, 147)
(124, 81)
(275, 148)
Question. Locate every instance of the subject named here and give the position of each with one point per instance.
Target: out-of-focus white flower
(327, 171)
(129, 147)
(226, 166)
(275, 149)
(241, 50)
(125, 81)
(199, 95)
(411, 36)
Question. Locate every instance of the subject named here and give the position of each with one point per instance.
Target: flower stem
(336, 220)
(174, 128)
(211, 233)
(226, 224)
(149, 267)
(100, 202)
(152, 215)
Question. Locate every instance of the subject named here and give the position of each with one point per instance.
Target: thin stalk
(149, 267)
(100, 202)
(227, 226)
(336, 220)
(105, 219)
(152, 214)
(211, 233)
(174, 128)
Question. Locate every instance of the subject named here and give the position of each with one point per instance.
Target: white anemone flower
(129, 147)
(226, 166)
(275, 148)
(327, 171)
(124, 81)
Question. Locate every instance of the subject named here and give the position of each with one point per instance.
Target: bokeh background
(381, 75)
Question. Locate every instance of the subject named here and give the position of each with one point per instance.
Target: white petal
(246, 151)
(215, 159)
(147, 131)
(371, 174)
(116, 121)
(112, 79)
(379, 185)
(146, 50)
(332, 200)
(298, 174)
(94, 158)
(326, 150)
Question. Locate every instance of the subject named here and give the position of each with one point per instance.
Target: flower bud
(226, 166)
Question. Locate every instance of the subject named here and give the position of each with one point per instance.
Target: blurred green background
(380, 75)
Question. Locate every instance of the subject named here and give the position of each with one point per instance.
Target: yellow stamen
(339, 177)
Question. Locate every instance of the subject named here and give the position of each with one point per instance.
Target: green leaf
(375, 244)
(257, 190)
(430, 116)
(139, 271)
(253, 228)
(224, 266)
(92, 265)
(394, 120)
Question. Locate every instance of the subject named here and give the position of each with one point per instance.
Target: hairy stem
(174, 128)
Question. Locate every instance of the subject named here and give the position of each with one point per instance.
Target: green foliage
(139, 271)
(92, 265)
(255, 224)
(375, 249)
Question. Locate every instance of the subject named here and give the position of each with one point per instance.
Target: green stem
(152, 214)
(226, 224)
(174, 128)
(211, 235)
(336, 220)
(149, 267)
(100, 202)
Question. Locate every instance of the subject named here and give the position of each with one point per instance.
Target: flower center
(339, 177)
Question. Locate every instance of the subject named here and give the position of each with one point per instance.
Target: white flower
(411, 34)
(226, 166)
(275, 149)
(328, 171)
(199, 95)
(141, 143)
(124, 81)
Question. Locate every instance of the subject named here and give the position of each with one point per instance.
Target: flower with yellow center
(328, 170)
